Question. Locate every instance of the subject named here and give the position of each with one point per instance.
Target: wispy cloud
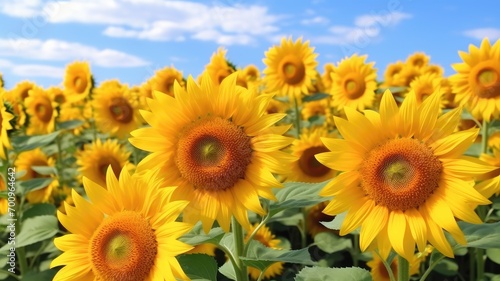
(58, 50)
(318, 20)
(32, 70)
(157, 20)
(480, 33)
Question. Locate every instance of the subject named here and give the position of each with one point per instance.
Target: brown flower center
(292, 69)
(354, 85)
(401, 174)
(310, 165)
(80, 84)
(123, 248)
(121, 110)
(213, 153)
(486, 75)
(43, 111)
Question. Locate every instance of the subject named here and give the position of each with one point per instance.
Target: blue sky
(130, 39)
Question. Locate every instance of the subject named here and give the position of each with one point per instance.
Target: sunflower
(494, 140)
(78, 81)
(264, 236)
(418, 60)
(95, 158)
(3, 201)
(425, 85)
(24, 162)
(326, 77)
(164, 79)
(277, 106)
(314, 218)
(57, 95)
(379, 271)
(477, 81)
(433, 68)
(408, 74)
(315, 108)
(17, 108)
(21, 91)
(404, 177)
(290, 68)
(218, 68)
(5, 118)
(125, 232)
(252, 73)
(392, 74)
(116, 111)
(205, 248)
(214, 142)
(307, 168)
(354, 83)
(42, 112)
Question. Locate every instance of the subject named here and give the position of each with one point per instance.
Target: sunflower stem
(297, 116)
(484, 137)
(355, 250)
(387, 264)
(403, 269)
(239, 246)
(430, 268)
(481, 210)
(250, 237)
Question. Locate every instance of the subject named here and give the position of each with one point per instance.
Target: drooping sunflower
(164, 79)
(418, 60)
(116, 111)
(42, 110)
(477, 81)
(95, 158)
(425, 85)
(78, 81)
(126, 232)
(354, 83)
(25, 162)
(314, 218)
(252, 73)
(268, 239)
(5, 118)
(404, 177)
(290, 68)
(217, 145)
(307, 168)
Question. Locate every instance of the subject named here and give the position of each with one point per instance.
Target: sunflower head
(433, 68)
(42, 110)
(219, 67)
(418, 60)
(21, 91)
(268, 239)
(326, 77)
(315, 108)
(402, 168)
(290, 68)
(392, 74)
(123, 233)
(425, 85)
(217, 144)
(477, 81)
(5, 125)
(354, 83)
(164, 79)
(78, 81)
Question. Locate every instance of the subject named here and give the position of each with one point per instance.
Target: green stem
(355, 250)
(261, 224)
(387, 265)
(3, 271)
(431, 267)
(239, 246)
(23, 264)
(403, 269)
(297, 117)
(484, 137)
(482, 210)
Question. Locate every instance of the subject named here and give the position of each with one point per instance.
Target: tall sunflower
(116, 110)
(404, 176)
(164, 79)
(78, 81)
(42, 111)
(216, 144)
(127, 232)
(477, 81)
(95, 158)
(354, 83)
(290, 68)
(5, 118)
(268, 239)
(307, 168)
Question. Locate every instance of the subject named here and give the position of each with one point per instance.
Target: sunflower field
(290, 172)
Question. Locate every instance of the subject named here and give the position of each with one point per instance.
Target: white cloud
(32, 70)
(389, 19)
(316, 20)
(480, 33)
(57, 50)
(158, 20)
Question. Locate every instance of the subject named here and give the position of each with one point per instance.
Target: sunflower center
(486, 77)
(293, 69)
(103, 165)
(401, 174)
(121, 110)
(25, 94)
(123, 248)
(43, 111)
(309, 165)
(213, 153)
(60, 98)
(354, 86)
(80, 84)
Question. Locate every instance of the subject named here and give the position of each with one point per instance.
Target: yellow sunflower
(290, 68)
(433, 68)
(314, 218)
(17, 108)
(57, 95)
(477, 81)
(21, 91)
(408, 74)
(492, 183)
(95, 158)
(392, 74)
(315, 108)
(218, 68)
(205, 248)
(276, 106)
(252, 74)
(78, 81)
(5, 118)
(217, 144)
(42, 111)
(404, 176)
(24, 162)
(307, 168)
(379, 272)
(354, 83)
(269, 240)
(425, 85)
(418, 60)
(116, 111)
(326, 77)
(126, 232)
(164, 79)
(494, 140)
(4, 204)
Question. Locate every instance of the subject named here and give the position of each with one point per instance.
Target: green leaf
(227, 270)
(331, 243)
(493, 254)
(316, 120)
(45, 275)
(447, 267)
(474, 150)
(484, 236)
(35, 229)
(197, 236)
(44, 170)
(70, 124)
(261, 257)
(333, 274)
(315, 97)
(199, 266)
(34, 184)
(39, 210)
(297, 195)
(336, 223)
(25, 143)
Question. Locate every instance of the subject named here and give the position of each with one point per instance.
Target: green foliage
(331, 243)
(333, 274)
(197, 236)
(34, 184)
(199, 267)
(315, 97)
(297, 195)
(35, 229)
(25, 143)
